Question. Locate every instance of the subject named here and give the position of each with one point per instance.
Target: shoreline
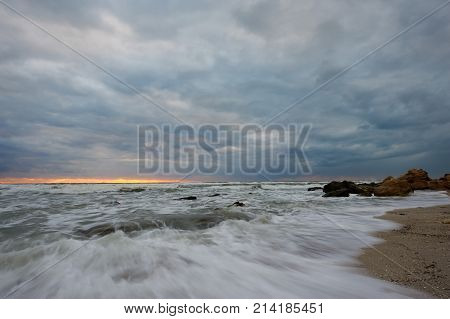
(418, 250)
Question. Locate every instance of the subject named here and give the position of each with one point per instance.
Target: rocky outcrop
(442, 183)
(393, 187)
(414, 179)
(417, 178)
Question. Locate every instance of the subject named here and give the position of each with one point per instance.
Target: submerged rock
(214, 195)
(174, 221)
(338, 193)
(238, 204)
(188, 198)
(312, 189)
(108, 228)
(130, 190)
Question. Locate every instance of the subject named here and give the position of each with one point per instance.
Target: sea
(224, 240)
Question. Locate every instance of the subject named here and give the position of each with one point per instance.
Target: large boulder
(393, 187)
(442, 183)
(336, 189)
(445, 181)
(417, 179)
(334, 186)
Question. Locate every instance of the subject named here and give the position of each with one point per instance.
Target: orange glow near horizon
(83, 180)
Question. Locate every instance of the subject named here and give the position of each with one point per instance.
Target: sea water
(96, 241)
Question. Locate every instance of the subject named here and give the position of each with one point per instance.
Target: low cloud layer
(230, 62)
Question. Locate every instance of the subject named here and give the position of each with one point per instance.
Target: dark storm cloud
(239, 61)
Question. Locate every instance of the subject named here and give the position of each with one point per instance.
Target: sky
(223, 62)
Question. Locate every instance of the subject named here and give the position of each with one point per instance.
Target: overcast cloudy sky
(223, 62)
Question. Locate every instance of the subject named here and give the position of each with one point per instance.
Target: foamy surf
(285, 242)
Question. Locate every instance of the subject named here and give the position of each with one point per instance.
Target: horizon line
(126, 180)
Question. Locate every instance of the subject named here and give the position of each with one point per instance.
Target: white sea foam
(294, 243)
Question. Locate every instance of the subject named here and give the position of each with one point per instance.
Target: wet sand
(417, 253)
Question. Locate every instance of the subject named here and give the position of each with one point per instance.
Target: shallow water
(285, 241)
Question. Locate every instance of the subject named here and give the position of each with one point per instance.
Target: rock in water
(339, 189)
(188, 198)
(129, 190)
(368, 188)
(414, 179)
(338, 193)
(393, 187)
(312, 189)
(238, 203)
(334, 186)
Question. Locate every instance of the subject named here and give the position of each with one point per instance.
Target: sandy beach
(417, 253)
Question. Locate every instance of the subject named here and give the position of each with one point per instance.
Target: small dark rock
(188, 198)
(129, 190)
(214, 195)
(312, 189)
(238, 203)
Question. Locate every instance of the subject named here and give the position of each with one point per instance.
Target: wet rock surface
(416, 178)
(393, 187)
(180, 222)
(345, 188)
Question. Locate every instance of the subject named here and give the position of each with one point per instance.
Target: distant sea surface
(95, 241)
